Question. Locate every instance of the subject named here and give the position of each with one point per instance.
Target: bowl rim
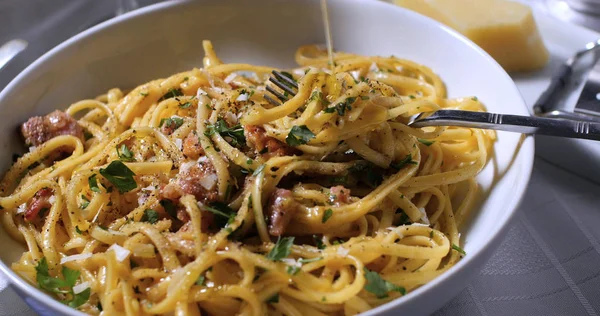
(525, 150)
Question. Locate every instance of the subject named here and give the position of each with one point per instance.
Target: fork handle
(511, 123)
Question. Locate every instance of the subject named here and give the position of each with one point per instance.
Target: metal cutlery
(484, 120)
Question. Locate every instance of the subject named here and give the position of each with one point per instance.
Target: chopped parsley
(341, 107)
(226, 215)
(293, 270)
(171, 94)
(78, 230)
(93, 183)
(150, 216)
(249, 161)
(63, 286)
(201, 280)
(144, 94)
(425, 142)
(474, 99)
(169, 207)
(185, 105)
(400, 164)
(171, 122)
(85, 202)
(327, 215)
(457, 248)
(379, 286)
(124, 153)
(235, 133)
(404, 219)
(120, 176)
(299, 135)
(303, 261)
(282, 248)
(318, 242)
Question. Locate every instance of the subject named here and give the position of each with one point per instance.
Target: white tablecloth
(549, 263)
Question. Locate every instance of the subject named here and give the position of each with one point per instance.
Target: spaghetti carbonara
(196, 194)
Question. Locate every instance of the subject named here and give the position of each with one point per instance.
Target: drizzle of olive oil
(327, 27)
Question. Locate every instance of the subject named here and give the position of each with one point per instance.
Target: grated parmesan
(81, 256)
(179, 143)
(291, 262)
(424, 217)
(230, 78)
(80, 287)
(242, 97)
(120, 252)
(342, 251)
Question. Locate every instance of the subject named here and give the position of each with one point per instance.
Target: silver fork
(483, 120)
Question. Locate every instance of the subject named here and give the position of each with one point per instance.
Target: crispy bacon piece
(280, 211)
(340, 195)
(257, 138)
(191, 146)
(40, 201)
(38, 130)
(196, 178)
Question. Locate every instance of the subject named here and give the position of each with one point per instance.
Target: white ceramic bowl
(166, 38)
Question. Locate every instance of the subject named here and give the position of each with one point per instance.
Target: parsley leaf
(226, 215)
(171, 94)
(85, 202)
(172, 122)
(404, 219)
(282, 248)
(150, 216)
(201, 280)
(235, 133)
(120, 176)
(93, 183)
(400, 164)
(292, 270)
(327, 215)
(185, 105)
(79, 298)
(169, 207)
(45, 281)
(299, 135)
(77, 230)
(457, 248)
(124, 153)
(341, 107)
(425, 142)
(318, 242)
(57, 285)
(380, 287)
(303, 261)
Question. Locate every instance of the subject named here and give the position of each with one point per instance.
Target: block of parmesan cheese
(504, 29)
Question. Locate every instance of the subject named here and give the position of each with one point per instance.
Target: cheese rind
(504, 29)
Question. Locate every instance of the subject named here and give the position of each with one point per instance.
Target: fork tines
(283, 82)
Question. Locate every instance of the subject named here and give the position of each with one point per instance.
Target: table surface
(549, 263)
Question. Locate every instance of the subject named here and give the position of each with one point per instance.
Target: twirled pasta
(374, 205)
